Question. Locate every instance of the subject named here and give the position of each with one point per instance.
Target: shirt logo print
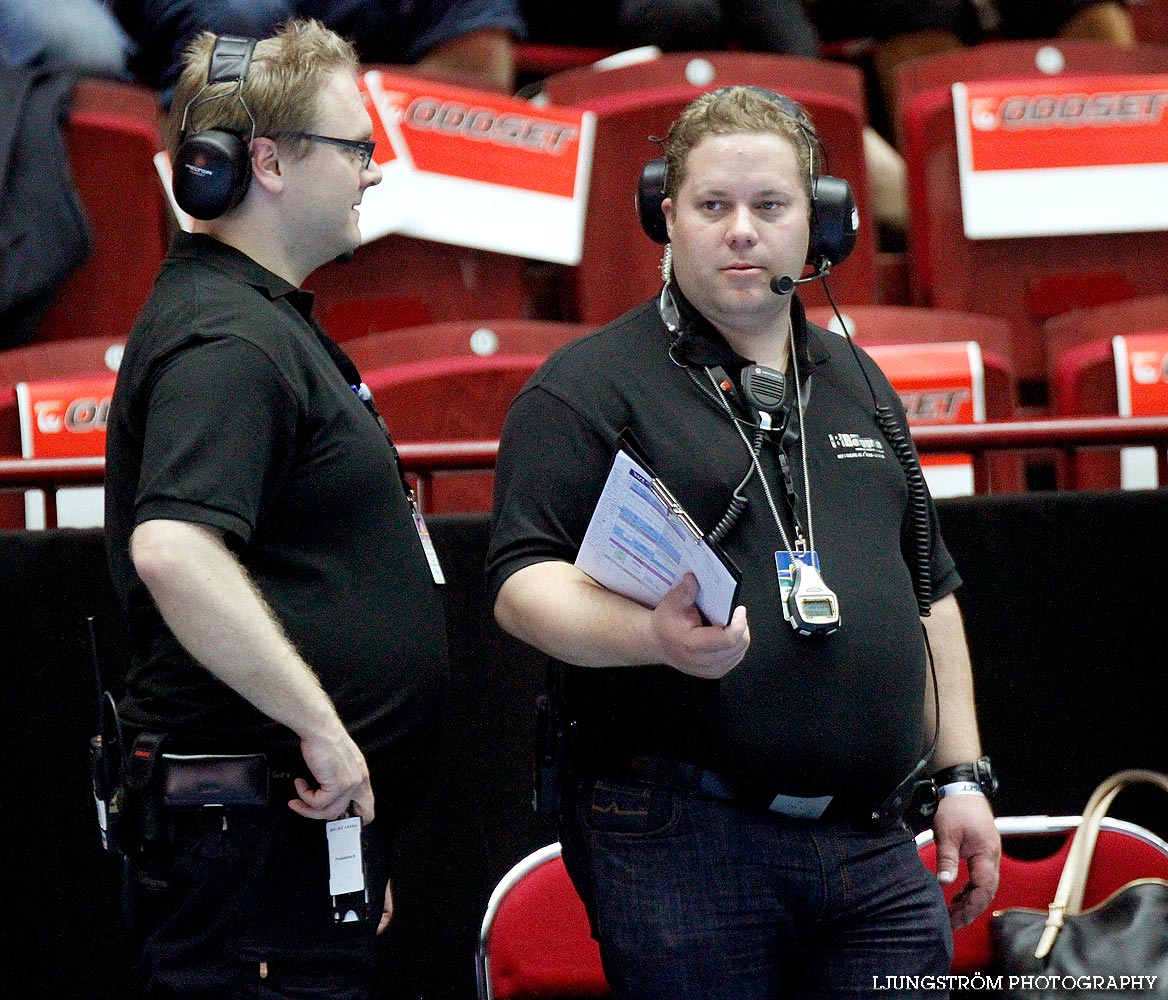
(850, 446)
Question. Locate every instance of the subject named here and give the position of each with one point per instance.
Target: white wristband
(960, 788)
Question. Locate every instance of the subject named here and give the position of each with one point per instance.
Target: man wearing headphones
(281, 708)
(733, 816)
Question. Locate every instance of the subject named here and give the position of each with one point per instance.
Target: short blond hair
(282, 88)
(734, 110)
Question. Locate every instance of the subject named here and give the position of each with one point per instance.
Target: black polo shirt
(229, 411)
(836, 715)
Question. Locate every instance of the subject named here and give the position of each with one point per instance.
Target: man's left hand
(963, 829)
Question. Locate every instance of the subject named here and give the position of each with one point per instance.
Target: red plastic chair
(879, 324)
(1082, 326)
(451, 399)
(875, 326)
(462, 338)
(620, 264)
(36, 362)
(111, 138)
(535, 940)
(1085, 381)
(1124, 851)
(1023, 280)
(398, 281)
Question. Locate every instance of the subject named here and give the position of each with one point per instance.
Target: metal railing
(1069, 438)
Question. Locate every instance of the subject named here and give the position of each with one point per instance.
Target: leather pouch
(198, 781)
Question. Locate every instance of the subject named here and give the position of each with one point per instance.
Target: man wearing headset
(733, 817)
(262, 539)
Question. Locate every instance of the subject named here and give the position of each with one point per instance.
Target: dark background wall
(1064, 602)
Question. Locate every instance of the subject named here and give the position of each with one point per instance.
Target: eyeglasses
(362, 147)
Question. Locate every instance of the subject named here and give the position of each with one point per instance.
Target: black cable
(920, 565)
(738, 503)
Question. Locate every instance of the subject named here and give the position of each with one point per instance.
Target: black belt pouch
(197, 781)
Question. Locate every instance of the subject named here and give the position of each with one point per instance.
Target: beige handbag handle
(1068, 897)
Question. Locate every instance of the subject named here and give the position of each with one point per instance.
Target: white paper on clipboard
(639, 544)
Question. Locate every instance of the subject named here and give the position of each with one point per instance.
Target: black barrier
(1063, 603)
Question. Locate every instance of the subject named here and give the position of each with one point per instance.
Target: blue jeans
(694, 898)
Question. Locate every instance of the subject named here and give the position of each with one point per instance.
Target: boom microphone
(784, 284)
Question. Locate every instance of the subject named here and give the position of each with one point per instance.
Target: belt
(710, 784)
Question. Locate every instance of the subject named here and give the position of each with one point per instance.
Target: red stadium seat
(399, 281)
(1124, 375)
(39, 362)
(538, 59)
(535, 940)
(462, 338)
(1026, 281)
(878, 327)
(620, 264)
(880, 324)
(1082, 326)
(1123, 852)
(111, 138)
(463, 398)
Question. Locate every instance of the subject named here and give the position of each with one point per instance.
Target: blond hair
(281, 90)
(740, 109)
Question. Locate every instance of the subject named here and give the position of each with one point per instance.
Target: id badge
(784, 567)
(347, 888)
(428, 546)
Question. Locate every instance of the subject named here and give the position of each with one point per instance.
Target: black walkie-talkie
(105, 755)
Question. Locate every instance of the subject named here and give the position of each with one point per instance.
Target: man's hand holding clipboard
(641, 544)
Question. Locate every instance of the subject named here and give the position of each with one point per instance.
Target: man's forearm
(958, 740)
(561, 611)
(215, 611)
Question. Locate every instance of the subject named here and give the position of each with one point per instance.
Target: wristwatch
(980, 773)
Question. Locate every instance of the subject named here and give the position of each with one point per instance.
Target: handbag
(1117, 948)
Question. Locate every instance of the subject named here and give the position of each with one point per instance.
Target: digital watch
(979, 776)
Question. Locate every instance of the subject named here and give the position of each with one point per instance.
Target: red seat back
(462, 338)
(536, 941)
(1026, 281)
(111, 138)
(451, 399)
(398, 281)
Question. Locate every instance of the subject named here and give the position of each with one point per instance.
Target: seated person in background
(81, 35)
(470, 41)
(906, 29)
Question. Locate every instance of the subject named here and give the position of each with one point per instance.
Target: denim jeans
(702, 899)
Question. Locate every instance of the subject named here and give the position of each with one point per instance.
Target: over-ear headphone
(212, 168)
(834, 219)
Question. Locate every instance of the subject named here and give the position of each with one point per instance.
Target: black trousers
(237, 905)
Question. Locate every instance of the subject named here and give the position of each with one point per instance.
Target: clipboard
(640, 541)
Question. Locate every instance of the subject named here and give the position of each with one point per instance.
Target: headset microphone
(784, 284)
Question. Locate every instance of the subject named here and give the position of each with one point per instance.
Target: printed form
(640, 543)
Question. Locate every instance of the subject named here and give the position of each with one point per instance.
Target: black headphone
(212, 168)
(834, 219)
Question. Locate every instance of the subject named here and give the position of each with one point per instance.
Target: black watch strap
(980, 772)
